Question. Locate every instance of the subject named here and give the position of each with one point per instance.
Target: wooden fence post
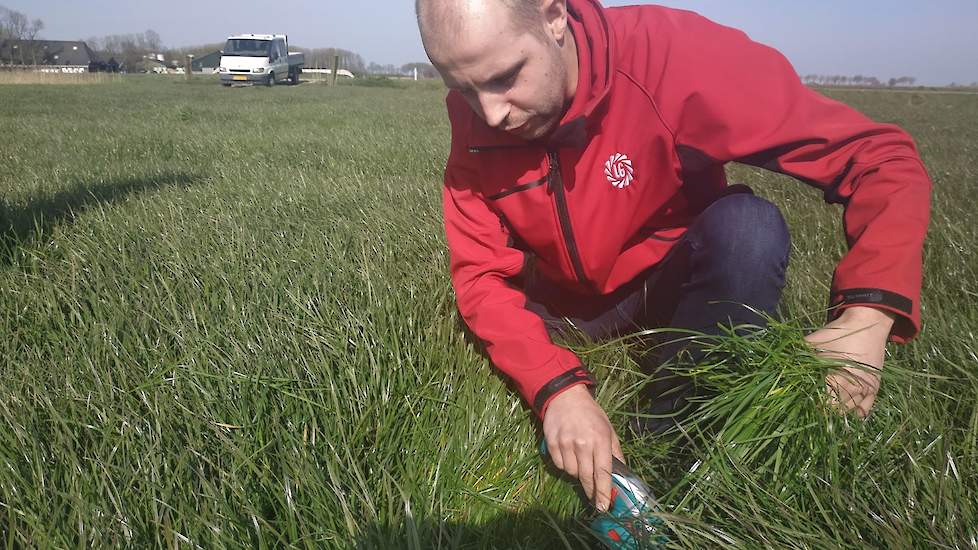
(336, 67)
(189, 67)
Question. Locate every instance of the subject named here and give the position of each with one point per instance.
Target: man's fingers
(602, 477)
(571, 463)
(837, 390)
(616, 448)
(867, 405)
(852, 404)
(844, 377)
(585, 470)
(859, 403)
(847, 385)
(556, 456)
(842, 396)
(853, 393)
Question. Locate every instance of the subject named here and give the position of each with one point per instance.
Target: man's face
(514, 80)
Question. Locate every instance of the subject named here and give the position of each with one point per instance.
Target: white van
(259, 58)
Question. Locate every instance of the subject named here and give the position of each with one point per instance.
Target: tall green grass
(765, 458)
(227, 321)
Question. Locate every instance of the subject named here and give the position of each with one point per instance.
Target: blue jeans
(734, 254)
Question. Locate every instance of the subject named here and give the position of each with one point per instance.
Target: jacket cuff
(907, 323)
(559, 383)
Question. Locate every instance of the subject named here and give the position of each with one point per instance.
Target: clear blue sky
(937, 42)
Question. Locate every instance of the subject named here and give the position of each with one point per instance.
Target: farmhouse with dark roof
(54, 55)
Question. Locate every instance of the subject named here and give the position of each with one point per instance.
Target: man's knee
(742, 230)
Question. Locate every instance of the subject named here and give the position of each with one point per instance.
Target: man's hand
(860, 335)
(581, 441)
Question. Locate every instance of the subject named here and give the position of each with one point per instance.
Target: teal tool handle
(630, 522)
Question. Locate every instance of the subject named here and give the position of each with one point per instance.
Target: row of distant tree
(322, 58)
(870, 81)
(18, 26)
(126, 51)
(857, 80)
(15, 25)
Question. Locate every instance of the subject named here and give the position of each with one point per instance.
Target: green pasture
(226, 320)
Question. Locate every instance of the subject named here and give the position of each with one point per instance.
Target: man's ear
(555, 18)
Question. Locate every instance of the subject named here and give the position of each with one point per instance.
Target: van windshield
(248, 47)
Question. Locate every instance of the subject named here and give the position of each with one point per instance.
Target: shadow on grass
(32, 222)
(531, 529)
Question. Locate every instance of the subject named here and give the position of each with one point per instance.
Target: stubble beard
(557, 103)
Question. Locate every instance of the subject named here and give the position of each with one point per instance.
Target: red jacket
(665, 99)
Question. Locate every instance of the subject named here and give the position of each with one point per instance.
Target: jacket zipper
(555, 182)
(517, 189)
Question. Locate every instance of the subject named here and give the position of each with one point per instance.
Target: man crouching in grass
(592, 141)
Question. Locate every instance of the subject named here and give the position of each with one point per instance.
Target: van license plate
(239, 77)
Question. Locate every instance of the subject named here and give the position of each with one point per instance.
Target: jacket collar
(594, 46)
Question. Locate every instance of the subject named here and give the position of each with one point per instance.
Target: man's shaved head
(448, 17)
(513, 61)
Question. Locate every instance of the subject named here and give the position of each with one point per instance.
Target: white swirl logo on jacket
(619, 171)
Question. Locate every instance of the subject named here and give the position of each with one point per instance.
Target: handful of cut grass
(762, 422)
(764, 400)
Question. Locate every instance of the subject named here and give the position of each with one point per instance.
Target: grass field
(226, 321)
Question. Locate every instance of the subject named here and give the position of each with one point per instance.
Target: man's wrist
(868, 315)
(577, 376)
(578, 390)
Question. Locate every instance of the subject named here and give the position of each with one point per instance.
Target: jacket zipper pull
(553, 175)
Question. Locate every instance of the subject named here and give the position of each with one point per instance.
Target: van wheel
(270, 81)
(294, 77)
